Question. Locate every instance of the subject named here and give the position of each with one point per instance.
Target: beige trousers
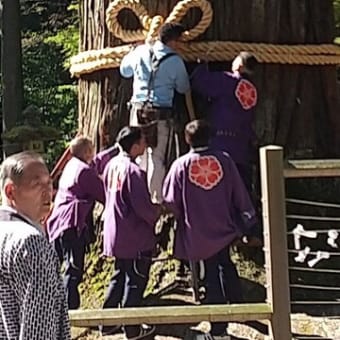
(153, 161)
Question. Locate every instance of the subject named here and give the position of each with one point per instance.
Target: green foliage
(44, 87)
(68, 38)
(45, 15)
(337, 12)
(42, 69)
(47, 85)
(23, 133)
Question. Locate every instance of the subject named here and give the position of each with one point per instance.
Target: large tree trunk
(12, 87)
(298, 105)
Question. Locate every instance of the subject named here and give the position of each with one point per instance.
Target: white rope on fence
(315, 203)
(314, 218)
(319, 231)
(313, 252)
(315, 270)
(315, 302)
(314, 287)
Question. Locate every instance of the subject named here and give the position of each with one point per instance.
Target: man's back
(32, 295)
(205, 191)
(170, 76)
(233, 99)
(129, 213)
(79, 187)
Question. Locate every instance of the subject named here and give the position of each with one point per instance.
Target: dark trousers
(127, 286)
(246, 173)
(222, 283)
(71, 250)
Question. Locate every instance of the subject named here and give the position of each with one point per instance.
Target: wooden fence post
(275, 241)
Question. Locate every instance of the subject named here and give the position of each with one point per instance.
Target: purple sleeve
(241, 200)
(141, 202)
(102, 158)
(92, 184)
(207, 83)
(172, 190)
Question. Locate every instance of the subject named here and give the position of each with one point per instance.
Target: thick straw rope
(95, 60)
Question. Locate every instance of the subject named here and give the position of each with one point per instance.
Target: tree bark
(298, 106)
(12, 86)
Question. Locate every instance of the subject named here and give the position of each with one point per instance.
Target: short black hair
(171, 31)
(198, 133)
(128, 136)
(249, 61)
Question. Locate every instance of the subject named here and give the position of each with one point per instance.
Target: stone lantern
(31, 134)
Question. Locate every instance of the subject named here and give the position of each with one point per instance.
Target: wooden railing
(171, 315)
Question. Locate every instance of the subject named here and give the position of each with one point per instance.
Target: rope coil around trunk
(107, 58)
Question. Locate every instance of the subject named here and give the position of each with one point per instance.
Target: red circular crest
(205, 172)
(246, 94)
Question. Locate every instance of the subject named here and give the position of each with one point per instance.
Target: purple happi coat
(79, 188)
(103, 157)
(130, 216)
(231, 112)
(206, 194)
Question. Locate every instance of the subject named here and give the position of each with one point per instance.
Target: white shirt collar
(200, 149)
(26, 218)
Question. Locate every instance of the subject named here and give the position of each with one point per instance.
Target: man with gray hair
(32, 296)
(69, 224)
